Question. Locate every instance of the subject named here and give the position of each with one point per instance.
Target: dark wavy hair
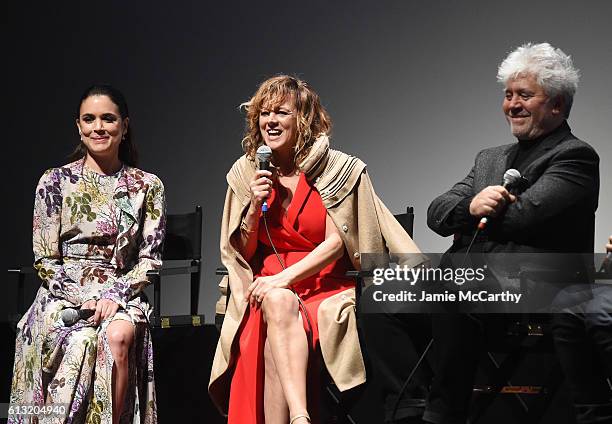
(312, 118)
(127, 149)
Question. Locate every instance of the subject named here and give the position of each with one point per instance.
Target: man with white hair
(552, 212)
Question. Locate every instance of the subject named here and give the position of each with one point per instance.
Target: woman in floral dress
(98, 229)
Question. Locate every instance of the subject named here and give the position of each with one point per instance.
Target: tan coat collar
(334, 173)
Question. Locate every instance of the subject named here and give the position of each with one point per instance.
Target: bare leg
(120, 335)
(289, 347)
(275, 406)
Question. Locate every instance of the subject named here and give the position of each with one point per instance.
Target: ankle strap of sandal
(298, 417)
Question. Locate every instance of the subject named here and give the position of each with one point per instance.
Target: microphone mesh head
(70, 316)
(264, 153)
(511, 176)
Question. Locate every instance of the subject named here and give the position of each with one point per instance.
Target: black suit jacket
(555, 211)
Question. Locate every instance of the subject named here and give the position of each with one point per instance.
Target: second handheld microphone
(264, 154)
(71, 316)
(511, 177)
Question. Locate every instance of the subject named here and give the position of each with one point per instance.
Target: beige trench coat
(365, 225)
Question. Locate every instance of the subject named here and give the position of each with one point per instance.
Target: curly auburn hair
(312, 118)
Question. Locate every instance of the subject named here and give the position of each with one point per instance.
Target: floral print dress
(95, 237)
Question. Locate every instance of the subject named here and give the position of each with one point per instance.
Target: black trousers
(458, 342)
(394, 343)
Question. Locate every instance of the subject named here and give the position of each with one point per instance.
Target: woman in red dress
(280, 331)
(290, 296)
(282, 319)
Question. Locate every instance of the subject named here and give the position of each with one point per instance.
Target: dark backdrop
(410, 86)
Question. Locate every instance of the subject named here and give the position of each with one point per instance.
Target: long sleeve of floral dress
(149, 257)
(46, 244)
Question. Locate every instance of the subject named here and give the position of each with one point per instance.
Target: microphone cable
(282, 264)
(467, 252)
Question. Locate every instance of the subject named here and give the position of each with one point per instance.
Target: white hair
(551, 67)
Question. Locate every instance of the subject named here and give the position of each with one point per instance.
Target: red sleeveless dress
(295, 234)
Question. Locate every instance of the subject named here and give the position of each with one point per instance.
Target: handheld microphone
(511, 177)
(264, 154)
(71, 316)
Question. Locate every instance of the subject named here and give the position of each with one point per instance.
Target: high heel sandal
(298, 417)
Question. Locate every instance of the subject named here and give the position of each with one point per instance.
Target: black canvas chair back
(183, 236)
(407, 220)
(182, 243)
